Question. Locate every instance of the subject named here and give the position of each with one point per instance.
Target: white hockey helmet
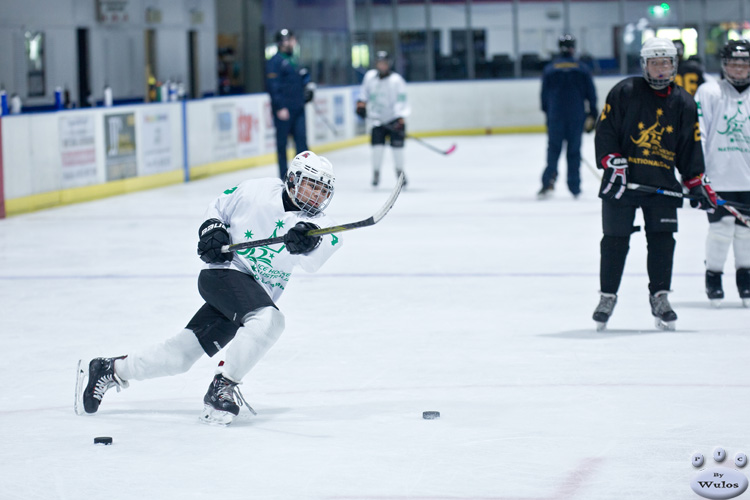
(309, 182)
(654, 48)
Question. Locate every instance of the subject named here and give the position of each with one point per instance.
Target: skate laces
(660, 303)
(107, 381)
(230, 391)
(606, 303)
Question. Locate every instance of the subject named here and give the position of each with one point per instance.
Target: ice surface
(470, 298)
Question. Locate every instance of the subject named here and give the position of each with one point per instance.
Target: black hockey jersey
(657, 131)
(689, 76)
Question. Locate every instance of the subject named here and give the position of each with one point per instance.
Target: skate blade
(601, 326)
(212, 416)
(745, 302)
(715, 303)
(80, 385)
(667, 326)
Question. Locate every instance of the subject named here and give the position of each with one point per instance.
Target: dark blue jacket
(285, 82)
(566, 84)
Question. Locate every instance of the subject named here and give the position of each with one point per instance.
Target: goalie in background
(240, 289)
(383, 99)
(569, 103)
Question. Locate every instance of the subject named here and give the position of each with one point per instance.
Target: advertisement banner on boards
(269, 129)
(224, 131)
(156, 142)
(77, 150)
(249, 139)
(119, 141)
(321, 109)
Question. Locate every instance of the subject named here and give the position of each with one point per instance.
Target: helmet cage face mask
(658, 48)
(309, 183)
(736, 51)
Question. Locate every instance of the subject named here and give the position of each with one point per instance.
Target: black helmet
(382, 55)
(283, 34)
(567, 43)
(735, 50)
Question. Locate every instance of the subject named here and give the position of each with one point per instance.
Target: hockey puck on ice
(430, 415)
(103, 440)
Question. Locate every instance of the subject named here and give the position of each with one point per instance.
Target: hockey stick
(593, 169)
(422, 142)
(374, 219)
(729, 206)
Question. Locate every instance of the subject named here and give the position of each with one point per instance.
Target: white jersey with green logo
(254, 210)
(723, 114)
(385, 97)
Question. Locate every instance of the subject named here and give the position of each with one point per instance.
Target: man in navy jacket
(290, 89)
(569, 101)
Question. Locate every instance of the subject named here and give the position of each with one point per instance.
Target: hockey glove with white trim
(214, 235)
(703, 195)
(298, 242)
(615, 179)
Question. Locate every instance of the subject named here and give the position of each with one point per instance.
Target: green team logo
(261, 260)
(734, 127)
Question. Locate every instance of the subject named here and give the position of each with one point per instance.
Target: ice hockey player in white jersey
(383, 100)
(723, 113)
(240, 288)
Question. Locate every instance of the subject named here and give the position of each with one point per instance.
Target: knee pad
(262, 328)
(741, 246)
(718, 241)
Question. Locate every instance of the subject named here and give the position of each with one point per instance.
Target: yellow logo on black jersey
(650, 139)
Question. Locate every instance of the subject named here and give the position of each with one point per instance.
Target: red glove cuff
(696, 181)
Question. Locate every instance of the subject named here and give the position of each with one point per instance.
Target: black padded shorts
(230, 295)
(617, 219)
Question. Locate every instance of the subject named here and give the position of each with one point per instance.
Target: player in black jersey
(689, 72)
(648, 130)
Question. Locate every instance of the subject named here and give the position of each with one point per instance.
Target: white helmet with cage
(309, 182)
(655, 48)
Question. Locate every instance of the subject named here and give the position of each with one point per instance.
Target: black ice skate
(101, 378)
(662, 311)
(545, 192)
(375, 178)
(714, 290)
(743, 285)
(219, 403)
(604, 310)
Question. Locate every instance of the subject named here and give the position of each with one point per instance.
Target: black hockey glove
(309, 92)
(297, 241)
(214, 235)
(701, 192)
(361, 109)
(615, 178)
(397, 125)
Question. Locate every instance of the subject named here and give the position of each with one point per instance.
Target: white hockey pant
(721, 236)
(378, 152)
(175, 355)
(261, 330)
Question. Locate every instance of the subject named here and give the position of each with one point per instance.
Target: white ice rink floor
(471, 298)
